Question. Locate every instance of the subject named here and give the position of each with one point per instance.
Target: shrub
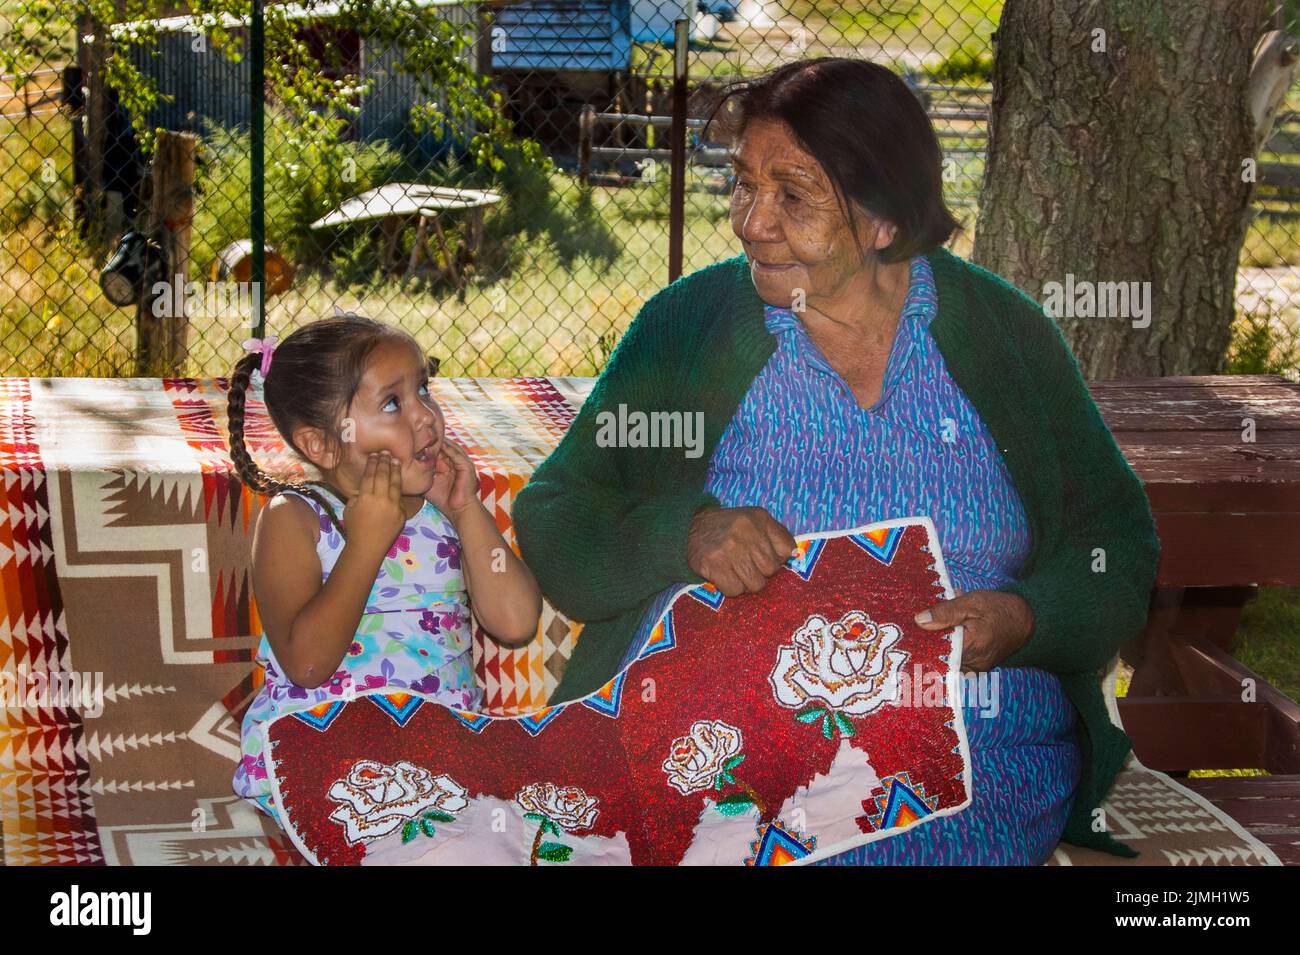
(963, 65)
(1261, 346)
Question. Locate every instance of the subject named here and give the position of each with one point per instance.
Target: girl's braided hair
(314, 376)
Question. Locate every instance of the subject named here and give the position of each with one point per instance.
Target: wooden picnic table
(1220, 459)
(396, 202)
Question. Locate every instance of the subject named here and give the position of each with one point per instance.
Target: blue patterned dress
(800, 446)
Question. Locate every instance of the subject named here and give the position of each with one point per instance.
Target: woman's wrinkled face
(393, 411)
(792, 228)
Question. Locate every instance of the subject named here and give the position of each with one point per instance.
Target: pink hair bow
(264, 345)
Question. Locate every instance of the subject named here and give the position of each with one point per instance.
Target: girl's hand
(996, 624)
(455, 480)
(375, 514)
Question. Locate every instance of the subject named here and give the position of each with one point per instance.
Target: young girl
(366, 579)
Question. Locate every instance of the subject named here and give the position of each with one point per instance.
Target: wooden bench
(1220, 460)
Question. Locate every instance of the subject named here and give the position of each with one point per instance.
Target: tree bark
(1124, 164)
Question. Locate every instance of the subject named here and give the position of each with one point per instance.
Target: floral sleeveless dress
(414, 636)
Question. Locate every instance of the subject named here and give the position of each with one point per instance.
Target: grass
(913, 33)
(1271, 243)
(1268, 638)
(1267, 641)
(556, 312)
(552, 311)
(941, 26)
(52, 314)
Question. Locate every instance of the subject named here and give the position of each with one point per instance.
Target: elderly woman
(850, 369)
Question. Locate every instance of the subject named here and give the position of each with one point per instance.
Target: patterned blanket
(775, 727)
(128, 626)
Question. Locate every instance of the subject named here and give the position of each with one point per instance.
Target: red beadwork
(719, 670)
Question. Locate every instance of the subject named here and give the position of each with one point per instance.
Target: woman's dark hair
(868, 131)
(313, 377)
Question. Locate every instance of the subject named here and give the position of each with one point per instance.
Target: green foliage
(652, 197)
(36, 182)
(40, 37)
(963, 65)
(1268, 638)
(533, 211)
(461, 104)
(1260, 346)
(1290, 10)
(305, 179)
(430, 49)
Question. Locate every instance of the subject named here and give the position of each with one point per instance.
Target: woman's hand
(375, 515)
(737, 548)
(455, 480)
(997, 624)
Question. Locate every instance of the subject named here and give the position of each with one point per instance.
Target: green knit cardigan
(604, 528)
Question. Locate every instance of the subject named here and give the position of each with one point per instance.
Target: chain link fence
(492, 177)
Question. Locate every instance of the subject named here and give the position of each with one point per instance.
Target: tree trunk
(1117, 157)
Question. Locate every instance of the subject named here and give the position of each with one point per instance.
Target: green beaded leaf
(826, 727)
(845, 726)
(809, 713)
(734, 804)
(554, 852)
(544, 822)
(435, 816)
(734, 762)
(426, 826)
(409, 831)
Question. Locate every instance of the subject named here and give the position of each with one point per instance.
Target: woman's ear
(316, 448)
(885, 233)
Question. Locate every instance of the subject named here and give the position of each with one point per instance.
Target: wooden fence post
(74, 101)
(162, 339)
(94, 55)
(586, 131)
